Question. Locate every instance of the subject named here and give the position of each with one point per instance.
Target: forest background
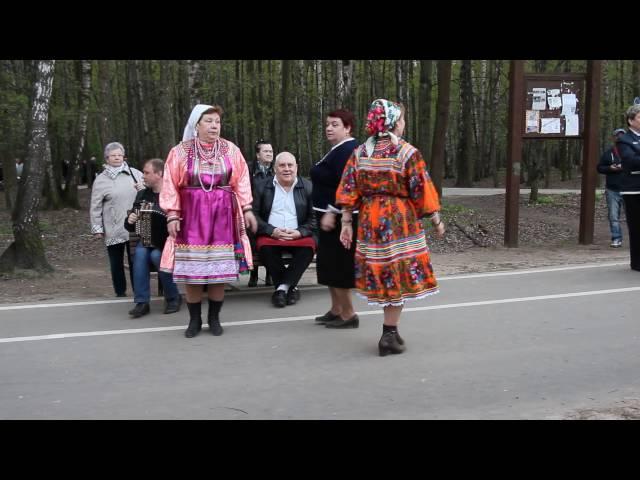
(56, 115)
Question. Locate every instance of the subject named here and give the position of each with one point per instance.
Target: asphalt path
(526, 344)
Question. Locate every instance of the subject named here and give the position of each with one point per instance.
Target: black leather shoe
(121, 295)
(193, 329)
(389, 344)
(215, 328)
(139, 310)
(353, 322)
(173, 306)
(279, 298)
(195, 320)
(400, 339)
(327, 317)
(293, 295)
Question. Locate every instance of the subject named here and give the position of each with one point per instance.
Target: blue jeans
(141, 274)
(614, 204)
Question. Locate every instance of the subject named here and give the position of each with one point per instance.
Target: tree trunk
(344, 79)
(51, 191)
(259, 104)
(71, 187)
(303, 74)
(253, 101)
(465, 128)
(493, 130)
(104, 80)
(165, 107)
(401, 82)
(194, 72)
(27, 250)
(424, 108)
(442, 120)
(321, 93)
(635, 80)
(284, 105)
(480, 123)
(272, 116)
(372, 82)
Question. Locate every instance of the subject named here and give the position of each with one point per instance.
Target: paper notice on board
(539, 99)
(571, 122)
(533, 121)
(569, 102)
(550, 125)
(554, 102)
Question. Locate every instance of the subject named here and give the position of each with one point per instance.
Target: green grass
(545, 200)
(7, 229)
(452, 209)
(46, 227)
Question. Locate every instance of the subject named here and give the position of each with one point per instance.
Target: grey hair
(111, 147)
(285, 155)
(632, 111)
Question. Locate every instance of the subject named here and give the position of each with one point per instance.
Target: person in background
(629, 149)
(113, 192)
(92, 168)
(334, 263)
(262, 171)
(611, 165)
(151, 225)
(19, 168)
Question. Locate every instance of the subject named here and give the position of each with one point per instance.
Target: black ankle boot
(389, 343)
(214, 318)
(195, 320)
(253, 279)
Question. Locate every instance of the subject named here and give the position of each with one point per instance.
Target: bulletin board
(553, 106)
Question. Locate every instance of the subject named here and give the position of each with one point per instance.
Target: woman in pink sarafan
(206, 193)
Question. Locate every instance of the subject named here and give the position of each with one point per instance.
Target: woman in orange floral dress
(387, 180)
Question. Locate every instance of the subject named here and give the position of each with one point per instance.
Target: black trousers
(632, 211)
(116, 261)
(271, 257)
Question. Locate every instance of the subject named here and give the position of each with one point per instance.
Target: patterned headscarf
(381, 119)
(190, 128)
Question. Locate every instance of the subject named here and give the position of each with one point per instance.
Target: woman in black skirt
(334, 264)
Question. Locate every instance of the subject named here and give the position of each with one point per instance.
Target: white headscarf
(190, 128)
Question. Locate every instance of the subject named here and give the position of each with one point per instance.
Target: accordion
(143, 224)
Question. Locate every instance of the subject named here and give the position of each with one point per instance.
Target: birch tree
(27, 250)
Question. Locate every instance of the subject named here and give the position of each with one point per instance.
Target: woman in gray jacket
(113, 192)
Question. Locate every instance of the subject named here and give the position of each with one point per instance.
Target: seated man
(286, 223)
(262, 172)
(149, 221)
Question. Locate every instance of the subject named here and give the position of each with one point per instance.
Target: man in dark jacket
(262, 171)
(611, 166)
(151, 221)
(286, 224)
(629, 148)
